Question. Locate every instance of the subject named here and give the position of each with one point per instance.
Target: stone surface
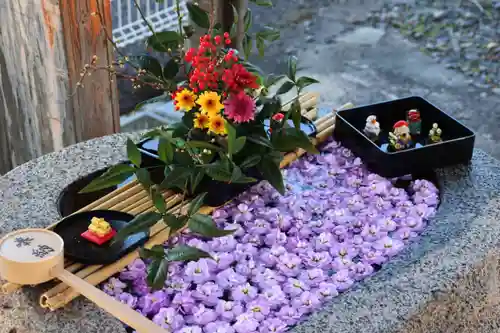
(362, 36)
(461, 234)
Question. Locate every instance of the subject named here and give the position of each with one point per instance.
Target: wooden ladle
(34, 256)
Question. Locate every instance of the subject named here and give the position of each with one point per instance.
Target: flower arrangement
(289, 254)
(232, 130)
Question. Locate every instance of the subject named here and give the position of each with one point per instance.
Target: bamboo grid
(132, 199)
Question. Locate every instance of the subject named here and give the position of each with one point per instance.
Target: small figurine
(435, 134)
(400, 138)
(99, 231)
(414, 121)
(372, 128)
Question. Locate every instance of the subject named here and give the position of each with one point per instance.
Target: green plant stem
(179, 17)
(143, 17)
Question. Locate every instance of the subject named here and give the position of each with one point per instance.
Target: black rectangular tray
(456, 148)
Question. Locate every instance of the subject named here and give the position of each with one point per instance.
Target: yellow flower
(185, 100)
(201, 120)
(217, 125)
(209, 102)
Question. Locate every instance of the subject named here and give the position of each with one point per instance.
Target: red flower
(278, 116)
(238, 78)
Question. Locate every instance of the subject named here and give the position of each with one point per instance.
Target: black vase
(218, 193)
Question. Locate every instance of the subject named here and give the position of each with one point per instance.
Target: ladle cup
(34, 256)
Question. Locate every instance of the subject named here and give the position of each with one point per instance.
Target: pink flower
(240, 108)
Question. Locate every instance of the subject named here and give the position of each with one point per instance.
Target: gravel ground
(463, 35)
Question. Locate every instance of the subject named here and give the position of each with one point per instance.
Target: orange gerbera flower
(185, 100)
(217, 125)
(201, 120)
(209, 102)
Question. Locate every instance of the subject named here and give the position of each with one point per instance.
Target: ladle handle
(119, 310)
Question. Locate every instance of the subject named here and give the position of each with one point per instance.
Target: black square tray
(456, 148)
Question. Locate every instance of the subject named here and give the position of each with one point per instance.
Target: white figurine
(372, 127)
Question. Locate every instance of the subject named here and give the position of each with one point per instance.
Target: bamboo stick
(109, 196)
(311, 115)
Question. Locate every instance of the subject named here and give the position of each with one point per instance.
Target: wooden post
(44, 44)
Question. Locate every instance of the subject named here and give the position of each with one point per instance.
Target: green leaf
(271, 172)
(261, 45)
(295, 113)
(186, 253)
(203, 145)
(239, 143)
(285, 87)
(144, 178)
(219, 172)
(273, 79)
(198, 15)
(260, 140)
(175, 222)
(292, 67)
(188, 30)
(238, 177)
(263, 3)
(148, 63)
(115, 175)
(133, 153)
(165, 150)
(305, 81)
(156, 252)
(196, 179)
(231, 137)
(204, 225)
(141, 223)
(250, 161)
(288, 139)
(248, 19)
(269, 34)
(165, 40)
(247, 45)
(196, 204)
(171, 68)
(176, 177)
(157, 273)
(180, 130)
(158, 200)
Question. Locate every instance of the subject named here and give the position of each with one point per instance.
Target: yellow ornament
(99, 226)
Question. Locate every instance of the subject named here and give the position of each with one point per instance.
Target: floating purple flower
(255, 240)
(247, 268)
(388, 246)
(169, 319)
(114, 286)
(313, 277)
(223, 244)
(202, 315)
(289, 315)
(273, 325)
(220, 215)
(413, 223)
(341, 263)
(306, 303)
(228, 278)
(342, 280)
(259, 227)
(245, 251)
(194, 242)
(361, 270)
(219, 327)
(246, 323)
(220, 261)
(387, 224)
(317, 259)
(135, 271)
(176, 284)
(343, 250)
(297, 245)
(198, 271)
(324, 241)
(184, 302)
(372, 233)
(326, 290)
(289, 264)
(128, 299)
(244, 293)
(374, 257)
(140, 287)
(295, 287)
(260, 308)
(423, 211)
(268, 278)
(243, 214)
(228, 310)
(190, 329)
(405, 234)
(275, 237)
(208, 293)
(274, 296)
(153, 302)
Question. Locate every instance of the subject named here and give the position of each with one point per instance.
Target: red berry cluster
(211, 67)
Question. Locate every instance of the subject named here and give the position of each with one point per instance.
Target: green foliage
(190, 156)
